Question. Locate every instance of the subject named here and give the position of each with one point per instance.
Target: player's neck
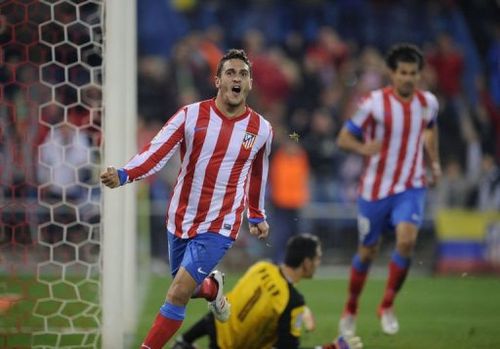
(229, 111)
(292, 275)
(407, 98)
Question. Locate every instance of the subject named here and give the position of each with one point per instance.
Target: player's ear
(250, 83)
(217, 82)
(306, 263)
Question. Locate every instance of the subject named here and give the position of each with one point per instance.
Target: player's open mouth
(236, 89)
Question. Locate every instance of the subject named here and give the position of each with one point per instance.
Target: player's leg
(204, 327)
(407, 217)
(206, 250)
(371, 221)
(199, 256)
(172, 312)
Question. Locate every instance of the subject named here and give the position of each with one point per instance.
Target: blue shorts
(198, 255)
(375, 217)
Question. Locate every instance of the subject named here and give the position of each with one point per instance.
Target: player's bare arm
(110, 177)
(431, 148)
(347, 141)
(261, 230)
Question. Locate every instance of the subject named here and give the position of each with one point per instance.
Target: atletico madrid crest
(248, 140)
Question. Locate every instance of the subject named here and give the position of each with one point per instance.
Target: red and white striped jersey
(399, 126)
(224, 165)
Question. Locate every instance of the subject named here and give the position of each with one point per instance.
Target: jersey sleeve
(433, 109)
(159, 150)
(290, 322)
(364, 111)
(257, 185)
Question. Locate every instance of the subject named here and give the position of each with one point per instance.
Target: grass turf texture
(434, 313)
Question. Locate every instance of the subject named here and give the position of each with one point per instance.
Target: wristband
(122, 176)
(256, 220)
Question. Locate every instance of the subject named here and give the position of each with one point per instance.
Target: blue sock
(402, 262)
(174, 312)
(359, 265)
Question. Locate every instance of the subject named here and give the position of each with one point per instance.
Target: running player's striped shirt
(399, 125)
(224, 166)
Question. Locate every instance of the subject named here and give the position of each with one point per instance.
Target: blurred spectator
(268, 62)
(493, 64)
(64, 156)
(454, 189)
(448, 63)
(288, 182)
(156, 99)
(488, 187)
(487, 117)
(211, 47)
(322, 152)
(18, 157)
(189, 74)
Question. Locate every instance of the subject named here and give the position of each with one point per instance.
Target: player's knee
(178, 295)
(405, 246)
(367, 253)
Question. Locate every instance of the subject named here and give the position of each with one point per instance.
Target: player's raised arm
(152, 157)
(161, 148)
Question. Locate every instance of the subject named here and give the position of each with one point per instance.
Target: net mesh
(50, 148)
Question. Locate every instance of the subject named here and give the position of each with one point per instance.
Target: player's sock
(359, 271)
(207, 289)
(167, 322)
(398, 269)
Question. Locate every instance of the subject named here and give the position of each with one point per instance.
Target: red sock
(397, 276)
(207, 289)
(161, 331)
(356, 283)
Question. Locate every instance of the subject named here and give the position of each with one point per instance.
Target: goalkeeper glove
(343, 343)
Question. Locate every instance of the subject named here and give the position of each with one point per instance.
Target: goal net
(53, 268)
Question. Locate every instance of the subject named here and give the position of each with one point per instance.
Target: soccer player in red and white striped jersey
(224, 147)
(392, 128)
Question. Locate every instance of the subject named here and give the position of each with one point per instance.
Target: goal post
(119, 298)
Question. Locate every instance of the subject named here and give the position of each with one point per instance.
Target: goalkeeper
(267, 310)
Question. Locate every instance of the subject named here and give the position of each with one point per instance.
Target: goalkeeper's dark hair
(234, 54)
(299, 248)
(404, 52)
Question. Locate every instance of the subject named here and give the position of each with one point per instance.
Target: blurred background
(312, 62)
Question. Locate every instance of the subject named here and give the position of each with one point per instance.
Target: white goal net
(54, 287)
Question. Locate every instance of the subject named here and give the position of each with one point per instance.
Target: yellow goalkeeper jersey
(266, 311)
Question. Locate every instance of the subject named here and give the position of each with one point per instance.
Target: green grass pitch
(434, 313)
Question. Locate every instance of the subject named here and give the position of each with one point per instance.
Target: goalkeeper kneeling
(267, 311)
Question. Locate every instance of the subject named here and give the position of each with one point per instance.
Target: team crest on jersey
(249, 140)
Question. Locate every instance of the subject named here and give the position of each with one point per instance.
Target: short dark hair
(234, 54)
(404, 52)
(300, 247)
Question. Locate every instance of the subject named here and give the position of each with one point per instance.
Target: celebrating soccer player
(224, 147)
(392, 128)
(268, 311)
